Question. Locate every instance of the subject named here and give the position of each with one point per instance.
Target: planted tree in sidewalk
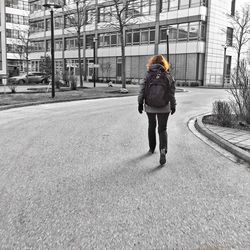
(241, 32)
(76, 18)
(124, 13)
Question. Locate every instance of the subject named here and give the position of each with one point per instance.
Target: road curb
(220, 141)
(20, 105)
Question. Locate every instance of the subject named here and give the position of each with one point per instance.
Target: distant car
(34, 78)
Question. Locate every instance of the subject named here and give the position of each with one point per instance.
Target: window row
(14, 48)
(11, 33)
(17, 4)
(70, 43)
(170, 5)
(17, 19)
(140, 36)
(183, 32)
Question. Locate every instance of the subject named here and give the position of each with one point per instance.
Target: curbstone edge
(220, 141)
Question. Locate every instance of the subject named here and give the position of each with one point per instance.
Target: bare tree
(241, 32)
(76, 18)
(240, 91)
(24, 47)
(123, 14)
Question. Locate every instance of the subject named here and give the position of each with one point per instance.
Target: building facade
(14, 24)
(197, 32)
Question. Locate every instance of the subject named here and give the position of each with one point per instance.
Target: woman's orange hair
(159, 59)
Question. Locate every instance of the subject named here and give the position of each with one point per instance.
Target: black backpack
(157, 89)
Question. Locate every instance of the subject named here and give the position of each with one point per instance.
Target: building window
(140, 36)
(184, 4)
(89, 41)
(48, 24)
(37, 26)
(164, 5)
(232, 7)
(71, 43)
(228, 66)
(173, 5)
(144, 37)
(193, 31)
(183, 32)
(37, 46)
(90, 16)
(17, 4)
(48, 45)
(58, 21)
(58, 44)
(172, 33)
(229, 36)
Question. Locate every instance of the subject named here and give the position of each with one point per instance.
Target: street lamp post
(224, 66)
(52, 6)
(168, 44)
(94, 61)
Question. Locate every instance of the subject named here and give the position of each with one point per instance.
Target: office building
(197, 30)
(14, 24)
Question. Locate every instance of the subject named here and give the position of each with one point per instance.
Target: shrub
(222, 111)
(73, 82)
(194, 84)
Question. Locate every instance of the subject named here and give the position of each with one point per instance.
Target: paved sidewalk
(240, 138)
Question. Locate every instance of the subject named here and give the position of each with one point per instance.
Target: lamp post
(94, 55)
(52, 6)
(168, 44)
(224, 66)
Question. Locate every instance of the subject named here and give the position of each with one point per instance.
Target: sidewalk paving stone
(237, 137)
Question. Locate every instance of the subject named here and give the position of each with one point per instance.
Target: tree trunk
(123, 61)
(27, 68)
(79, 57)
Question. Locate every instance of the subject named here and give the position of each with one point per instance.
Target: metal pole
(52, 55)
(224, 67)
(94, 61)
(168, 44)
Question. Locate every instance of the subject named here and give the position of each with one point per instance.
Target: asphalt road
(76, 176)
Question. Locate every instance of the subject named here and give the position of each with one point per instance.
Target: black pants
(162, 130)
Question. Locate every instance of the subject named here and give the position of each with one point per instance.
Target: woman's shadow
(142, 157)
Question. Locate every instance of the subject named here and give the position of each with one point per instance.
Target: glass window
(113, 39)
(164, 5)
(173, 5)
(203, 31)
(48, 45)
(193, 31)
(163, 33)
(172, 33)
(232, 7)
(89, 40)
(152, 36)
(58, 22)
(48, 24)
(195, 3)
(136, 37)
(106, 40)
(144, 37)
(153, 7)
(229, 36)
(184, 4)
(128, 38)
(58, 44)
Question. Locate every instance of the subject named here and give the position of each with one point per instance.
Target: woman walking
(157, 93)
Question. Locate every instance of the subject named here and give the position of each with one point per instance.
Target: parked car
(33, 78)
